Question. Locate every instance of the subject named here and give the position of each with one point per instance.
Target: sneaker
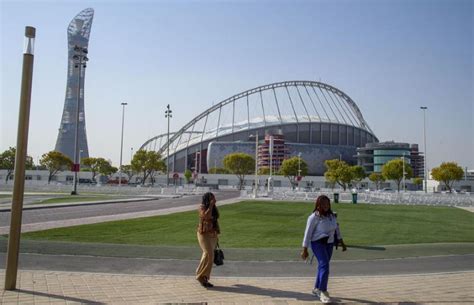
(316, 292)
(324, 297)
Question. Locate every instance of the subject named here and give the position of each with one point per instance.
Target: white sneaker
(316, 292)
(324, 297)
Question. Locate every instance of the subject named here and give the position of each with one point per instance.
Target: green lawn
(255, 224)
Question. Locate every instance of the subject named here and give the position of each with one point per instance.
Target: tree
(7, 161)
(148, 163)
(447, 173)
(358, 173)
(187, 175)
(239, 164)
(417, 181)
(264, 170)
(127, 170)
(377, 178)
(93, 165)
(338, 172)
(55, 161)
(393, 170)
(105, 168)
(289, 168)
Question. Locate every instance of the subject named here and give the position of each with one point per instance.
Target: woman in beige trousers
(207, 234)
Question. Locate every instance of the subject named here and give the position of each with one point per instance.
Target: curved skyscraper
(78, 33)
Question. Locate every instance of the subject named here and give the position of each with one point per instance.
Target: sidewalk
(48, 287)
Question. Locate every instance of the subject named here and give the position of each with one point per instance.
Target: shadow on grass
(276, 293)
(59, 297)
(375, 248)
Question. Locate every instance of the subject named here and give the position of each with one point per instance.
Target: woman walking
(319, 235)
(207, 232)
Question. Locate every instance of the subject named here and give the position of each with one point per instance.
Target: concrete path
(53, 287)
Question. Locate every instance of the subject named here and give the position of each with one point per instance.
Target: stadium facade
(313, 119)
(78, 33)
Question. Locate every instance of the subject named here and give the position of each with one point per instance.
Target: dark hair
(318, 203)
(206, 201)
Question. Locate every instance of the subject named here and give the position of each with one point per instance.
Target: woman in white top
(319, 234)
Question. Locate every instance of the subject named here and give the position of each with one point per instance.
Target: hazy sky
(390, 57)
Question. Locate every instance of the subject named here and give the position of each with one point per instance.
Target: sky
(390, 57)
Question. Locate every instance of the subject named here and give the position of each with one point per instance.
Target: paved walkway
(47, 287)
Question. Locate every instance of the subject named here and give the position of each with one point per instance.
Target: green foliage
(393, 170)
(338, 172)
(218, 170)
(447, 173)
(105, 168)
(7, 161)
(377, 178)
(264, 170)
(239, 164)
(418, 181)
(55, 161)
(127, 170)
(95, 165)
(187, 175)
(289, 168)
(148, 163)
(358, 173)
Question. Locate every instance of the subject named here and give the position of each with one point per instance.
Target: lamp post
(255, 195)
(424, 108)
(80, 59)
(403, 178)
(121, 143)
(131, 155)
(299, 169)
(13, 249)
(168, 115)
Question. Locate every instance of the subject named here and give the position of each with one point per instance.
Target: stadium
(312, 119)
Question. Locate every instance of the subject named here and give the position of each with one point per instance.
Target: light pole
(255, 195)
(299, 169)
(168, 115)
(121, 143)
(403, 178)
(131, 155)
(13, 249)
(80, 59)
(424, 108)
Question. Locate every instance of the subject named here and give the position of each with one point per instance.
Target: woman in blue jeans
(319, 234)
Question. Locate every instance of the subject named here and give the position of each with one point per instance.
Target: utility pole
(20, 160)
(168, 115)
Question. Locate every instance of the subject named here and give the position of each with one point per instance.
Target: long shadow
(59, 297)
(376, 248)
(276, 293)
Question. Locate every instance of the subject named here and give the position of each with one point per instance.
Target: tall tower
(78, 33)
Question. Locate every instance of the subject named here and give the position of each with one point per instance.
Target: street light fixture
(168, 115)
(121, 143)
(424, 108)
(80, 60)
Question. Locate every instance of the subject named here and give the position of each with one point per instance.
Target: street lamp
(121, 143)
(131, 155)
(403, 178)
(299, 169)
(424, 108)
(168, 115)
(80, 59)
(256, 166)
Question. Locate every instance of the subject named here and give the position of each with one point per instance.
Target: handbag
(218, 256)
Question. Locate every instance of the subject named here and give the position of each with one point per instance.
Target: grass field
(255, 224)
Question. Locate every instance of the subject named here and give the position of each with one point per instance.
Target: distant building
(373, 156)
(78, 33)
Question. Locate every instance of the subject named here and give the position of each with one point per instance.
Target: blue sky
(390, 57)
